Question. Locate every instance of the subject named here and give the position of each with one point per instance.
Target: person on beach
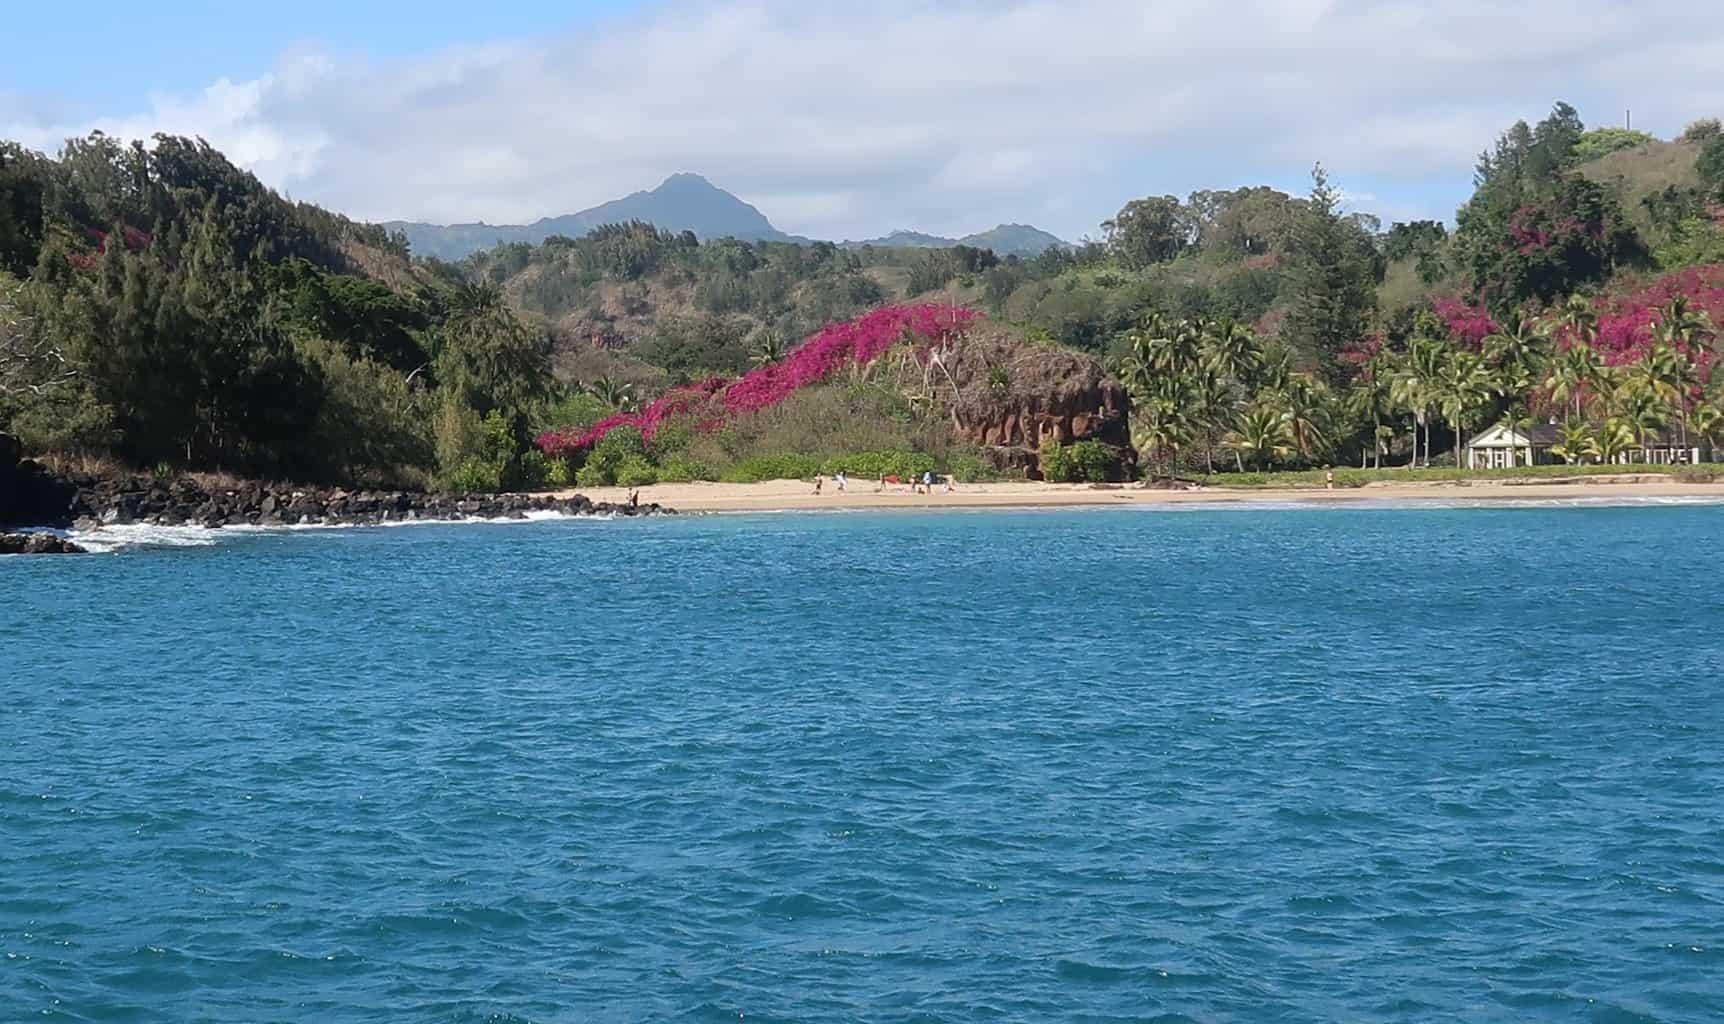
(1329, 479)
(927, 481)
(841, 481)
(819, 482)
(948, 483)
(634, 499)
(880, 488)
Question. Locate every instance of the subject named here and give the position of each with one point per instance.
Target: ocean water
(1414, 764)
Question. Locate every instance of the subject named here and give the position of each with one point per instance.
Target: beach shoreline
(864, 495)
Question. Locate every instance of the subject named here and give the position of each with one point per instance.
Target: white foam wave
(108, 539)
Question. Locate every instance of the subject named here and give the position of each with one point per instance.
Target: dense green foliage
(166, 308)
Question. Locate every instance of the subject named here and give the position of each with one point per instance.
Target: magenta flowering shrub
(1465, 321)
(1625, 322)
(839, 346)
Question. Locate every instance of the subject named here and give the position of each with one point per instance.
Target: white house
(1501, 447)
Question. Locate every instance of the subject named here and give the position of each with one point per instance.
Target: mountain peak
(686, 181)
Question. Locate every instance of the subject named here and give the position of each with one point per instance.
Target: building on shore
(1505, 447)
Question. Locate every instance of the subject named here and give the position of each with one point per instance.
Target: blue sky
(182, 45)
(846, 120)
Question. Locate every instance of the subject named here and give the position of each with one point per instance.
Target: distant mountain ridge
(686, 202)
(1005, 240)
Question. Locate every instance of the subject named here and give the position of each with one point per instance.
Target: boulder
(30, 495)
(37, 544)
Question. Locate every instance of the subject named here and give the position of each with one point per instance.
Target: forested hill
(161, 306)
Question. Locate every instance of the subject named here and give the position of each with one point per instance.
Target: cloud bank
(842, 120)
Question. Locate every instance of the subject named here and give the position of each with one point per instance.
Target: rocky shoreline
(31, 496)
(184, 502)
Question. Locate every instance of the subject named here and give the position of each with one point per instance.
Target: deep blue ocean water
(1214, 765)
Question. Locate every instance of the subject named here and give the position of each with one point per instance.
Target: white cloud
(843, 120)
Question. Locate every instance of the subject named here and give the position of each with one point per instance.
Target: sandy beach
(798, 495)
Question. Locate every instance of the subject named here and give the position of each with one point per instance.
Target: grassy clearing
(1315, 478)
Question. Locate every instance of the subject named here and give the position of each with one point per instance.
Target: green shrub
(561, 473)
(869, 465)
(594, 474)
(786, 466)
(636, 471)
(970, 469)
(672, 436)
(1058, 466)
(608, 456)
(1090, 461)
(475, 476)
(535, 470)
(681, 469)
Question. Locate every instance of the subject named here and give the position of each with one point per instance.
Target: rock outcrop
(1016, 396)
(37, 544)
(185, 502)
(29, 494)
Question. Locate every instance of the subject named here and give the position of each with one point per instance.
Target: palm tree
(1644, 410)
(1519, 419)
(1372, 399)
(1665, 370)
(619, 395)
(1708, 422)
(1230, 352)
(1614, 437)
(1305, 410)
(1261, 436)
(1516, 351)
(1163, 420)
(1415, 388)
(1463, 390)
(768, 347)
(1208, 404)
(1572, 374)
(1576, 444)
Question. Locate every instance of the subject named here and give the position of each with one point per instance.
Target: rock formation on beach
(1016, 396)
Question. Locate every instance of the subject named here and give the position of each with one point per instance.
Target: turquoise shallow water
(1240, 765)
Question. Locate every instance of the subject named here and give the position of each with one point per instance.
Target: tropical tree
(1230, 351)
(1576, 444)
(1613, 439)
(1572, 375)
(1372, 400)
(1641, 407)
(619, 395)
(769, 347)
(1519, 418)
(1463, 390)
(1164, 426)
(1304, 406)
(1516, 351)
(1667, 374)
(1261, 437)
(1415, 387)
